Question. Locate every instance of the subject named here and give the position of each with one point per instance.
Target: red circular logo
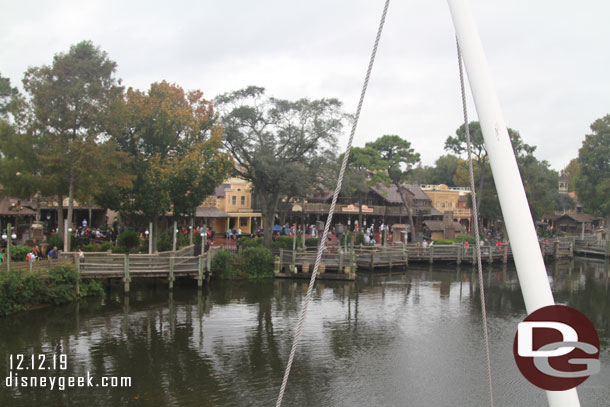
(556, 348)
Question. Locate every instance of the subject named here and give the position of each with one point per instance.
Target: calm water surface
(408, 338)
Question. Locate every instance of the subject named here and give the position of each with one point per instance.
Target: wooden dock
(590, 247)
(337, 265)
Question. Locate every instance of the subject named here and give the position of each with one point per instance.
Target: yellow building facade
(455, 199)
(230, 207)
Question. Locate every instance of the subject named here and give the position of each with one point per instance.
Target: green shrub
(91, 287)
(311, 242)
(359, 238)
(21, 289)
(252, 242)
(443, 242)
(349, 238)
(164, 242)
(92, 248)
(222, 264)
(129, 240)
(182, 240)
(118, 250)
(55, 240)
(61, 284)
(14, 296)
(105, 246)
(465, 238)
(285, 242)
(18, 253)
(257, 262)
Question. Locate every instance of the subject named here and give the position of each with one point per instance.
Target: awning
(244, 214)
(210, 213)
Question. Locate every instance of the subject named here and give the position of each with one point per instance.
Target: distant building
(382, 204)
(563, 183)
(230, 207)
(453, 199)
(573, 223)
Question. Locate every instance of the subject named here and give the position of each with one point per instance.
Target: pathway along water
(388, 339)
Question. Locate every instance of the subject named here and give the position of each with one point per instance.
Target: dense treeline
(77, 132)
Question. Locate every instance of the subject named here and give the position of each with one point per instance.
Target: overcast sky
(550, 59)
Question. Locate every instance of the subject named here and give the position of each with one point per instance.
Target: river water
(410, 338)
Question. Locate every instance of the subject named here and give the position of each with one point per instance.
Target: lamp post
(174, 238)
(204, 238)
(69, 239)
(9, 236)
(148, 236)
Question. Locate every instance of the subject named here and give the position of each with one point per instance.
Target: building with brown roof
(230, 207)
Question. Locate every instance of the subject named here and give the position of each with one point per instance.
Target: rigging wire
(475, 219)
(331, 211)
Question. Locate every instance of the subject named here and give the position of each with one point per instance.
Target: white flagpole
(517, 217)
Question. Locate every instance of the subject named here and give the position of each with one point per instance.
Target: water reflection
(391, 338)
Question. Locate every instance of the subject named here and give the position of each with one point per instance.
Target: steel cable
(331, 211)
(475, 216)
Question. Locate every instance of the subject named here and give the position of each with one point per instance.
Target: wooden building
(229, 207)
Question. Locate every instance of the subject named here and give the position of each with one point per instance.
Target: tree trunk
(70, 203)
(404, 202)
(269, 206)
(360, 211)
(60, 216)
(155, 234)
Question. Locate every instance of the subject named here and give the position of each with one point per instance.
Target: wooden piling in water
(200, 264)
(77, 264)
(171, 271)
(126, 278)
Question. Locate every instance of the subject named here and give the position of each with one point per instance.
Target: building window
(243, 222)
(243, 200)
(233, 200)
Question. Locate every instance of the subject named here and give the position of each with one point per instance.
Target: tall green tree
(444, 169)
(458, 146)
(19, 152)
(70, 101)
(398, 159)
(8, 95)
(593, 178)
(174, 143)
(278, 145)
(539, 181)
(571, 171)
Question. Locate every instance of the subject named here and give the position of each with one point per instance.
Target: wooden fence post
(491, 254)
(459, 254)
(405, 254)
(431, 254)
(281, 259)
(556, 249)
(208, 261)
(171, 271)
(126, 278)
(200, 270)
(77, 264)
(340, 260)
(373, 259)
(505, 254)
